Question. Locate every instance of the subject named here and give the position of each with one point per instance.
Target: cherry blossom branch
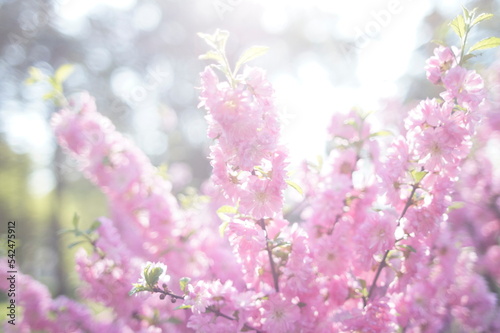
(167, 292)
(374, 282)
(270, 254)
(339, 215)
(383, 263)
(218, 313)
(408, 202)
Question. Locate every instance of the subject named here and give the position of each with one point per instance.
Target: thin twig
(211, 309)
(382, 263)
(165, 292)
(220, 314)
(379, 270)
(270, 254)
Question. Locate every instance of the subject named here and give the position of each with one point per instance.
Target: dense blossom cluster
(393, 236)
(248, 162)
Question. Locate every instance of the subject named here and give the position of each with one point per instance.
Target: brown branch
(270, 254)
(211, 309)
(167, 293)
(382, 263)
(220, 314)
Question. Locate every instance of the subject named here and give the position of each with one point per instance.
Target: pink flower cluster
(392, 236)
(248, 162)
(59, 315)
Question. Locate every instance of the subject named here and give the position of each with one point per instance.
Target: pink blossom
(248, 242)
(298, 272)
(375, 235)
(332, 252)
(392, 171)
(198, 297)
(376, 317)
(428, 112)
(465, 85)
(262, 198)
(437, 65)
(350, 126)
(210, 86)
(32, 295)
(209, 323)
(440, 148)
(279, 315)
(256, 80)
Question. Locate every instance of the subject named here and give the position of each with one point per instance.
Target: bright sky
(386, 43)
(75, 9)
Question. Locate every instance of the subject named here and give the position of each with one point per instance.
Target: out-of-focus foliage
(15, 203)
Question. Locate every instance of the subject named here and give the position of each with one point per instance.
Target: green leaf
(250, 54)
(94, 227)
(75, 244)
(49, 95)
(217, 41)
(76, 219)
(212, 55)
(56, 86)
(406, 247)
(418, 175)
(364, 290)
(223, 227)
(456, 205)
(467, 57)
(208, 39)
(486, 43)
(152, 275)
(184, 306)
(36, 75)
(351, 122)
(481, 17)
(183, 282)
(137, 288)
(65, 231)
(220, 38)
(63, 72)
(174, 320)
(223, 212)
(392, 254)
(320, 161)
(295, 186)
(458, 25)
(381, 133)
(226, 209)
(162, 170)
(467, 14)
(29, 81)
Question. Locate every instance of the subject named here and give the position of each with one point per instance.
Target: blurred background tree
(139, 58)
